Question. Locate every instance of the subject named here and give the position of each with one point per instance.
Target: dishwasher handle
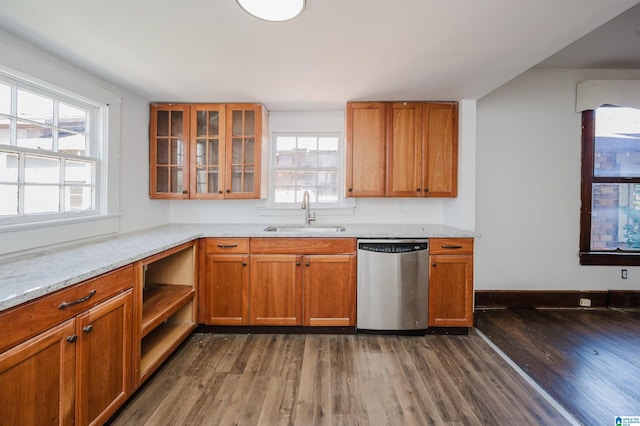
(393, 247)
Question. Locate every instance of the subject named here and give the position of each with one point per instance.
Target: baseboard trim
(556, 299)
(246, 329)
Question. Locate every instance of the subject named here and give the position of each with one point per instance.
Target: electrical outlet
(623, 274)
(584, 302)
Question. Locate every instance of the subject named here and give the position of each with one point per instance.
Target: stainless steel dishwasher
(393, 285)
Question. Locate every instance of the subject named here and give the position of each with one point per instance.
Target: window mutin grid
(49, 155)
(306, 162)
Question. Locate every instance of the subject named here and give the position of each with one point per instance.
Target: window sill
(25, 237)
(610, 258)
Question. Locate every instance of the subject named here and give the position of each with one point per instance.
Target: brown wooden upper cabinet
(207, 151)
(402, 149)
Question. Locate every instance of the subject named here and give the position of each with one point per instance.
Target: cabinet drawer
(303, 245)
(451, 246)
(227, 245)
(27, 320)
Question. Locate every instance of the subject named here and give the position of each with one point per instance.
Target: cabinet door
(37, 379)
(275, 290)
(451, 291)
(440, 150)
(104, 374)
(243, 151)
(226, 289)
(169, 151)
(329, 290)
(404, 150)
(207, 145)
(366, 149)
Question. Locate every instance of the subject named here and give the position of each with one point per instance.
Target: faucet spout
(306, 205)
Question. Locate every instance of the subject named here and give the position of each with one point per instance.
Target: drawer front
(303, 245)
(27, 320)
(227, 245)
(451, 246)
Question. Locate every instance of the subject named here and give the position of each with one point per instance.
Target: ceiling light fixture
(273, 10)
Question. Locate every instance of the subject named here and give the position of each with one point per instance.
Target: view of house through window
(615, 204)
(306, 162)
(47, 160)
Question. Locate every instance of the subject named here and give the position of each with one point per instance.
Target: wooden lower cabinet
(269, 282)
(451, 291)
(329, 290)
(104, 355)
(66, 358)
(275, 289)
(78, 372)
(37, 379)
(226, 289)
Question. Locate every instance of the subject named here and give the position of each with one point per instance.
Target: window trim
(344, 205)
(587, 256)
(97, 121)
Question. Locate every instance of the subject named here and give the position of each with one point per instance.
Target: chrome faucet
(306, 205)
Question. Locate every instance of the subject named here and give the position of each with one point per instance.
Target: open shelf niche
(166, 305)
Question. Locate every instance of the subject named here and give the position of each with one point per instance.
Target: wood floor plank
(587, 360)
(336, 380)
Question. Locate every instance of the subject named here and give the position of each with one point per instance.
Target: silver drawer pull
(227, 245)
(451, 246)
(75, 302)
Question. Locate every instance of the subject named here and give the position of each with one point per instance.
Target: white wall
(458, 212)
(528, 186)
(129, 205)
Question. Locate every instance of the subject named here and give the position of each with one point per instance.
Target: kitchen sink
(303, 229)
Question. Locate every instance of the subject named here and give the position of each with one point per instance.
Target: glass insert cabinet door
(244, 133)
(169, 151)
(207, 151)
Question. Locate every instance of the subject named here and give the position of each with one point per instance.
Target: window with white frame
(49, 153)
(306, 162)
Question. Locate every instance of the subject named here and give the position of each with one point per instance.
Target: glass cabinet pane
(214, 146)
(237, 123)
(249, 123)
(249, 149)
(207, 156)
(162, 151)
(177, 152)
(212, 181)
(201, 123)
(201, 157)
(162, 179)
(177, 120)
(201, 179)
(236, 178)
(214, 123)
(170, 156)
(176, 179)
(162, 123)
(236, 151)
(248, 179)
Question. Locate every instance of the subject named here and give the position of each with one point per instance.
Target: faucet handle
(312, 217)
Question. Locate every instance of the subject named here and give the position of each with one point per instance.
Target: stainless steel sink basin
(302, 229)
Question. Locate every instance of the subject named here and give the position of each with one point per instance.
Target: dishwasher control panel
(393, 247)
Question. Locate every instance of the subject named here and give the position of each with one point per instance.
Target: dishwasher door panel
(392, 290)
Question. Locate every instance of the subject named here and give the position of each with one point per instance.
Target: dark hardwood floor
(587, 360)
(225, 379)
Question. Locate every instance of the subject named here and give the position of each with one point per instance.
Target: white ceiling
(337, 50)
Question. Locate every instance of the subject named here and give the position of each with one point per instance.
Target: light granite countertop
(28, 277)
